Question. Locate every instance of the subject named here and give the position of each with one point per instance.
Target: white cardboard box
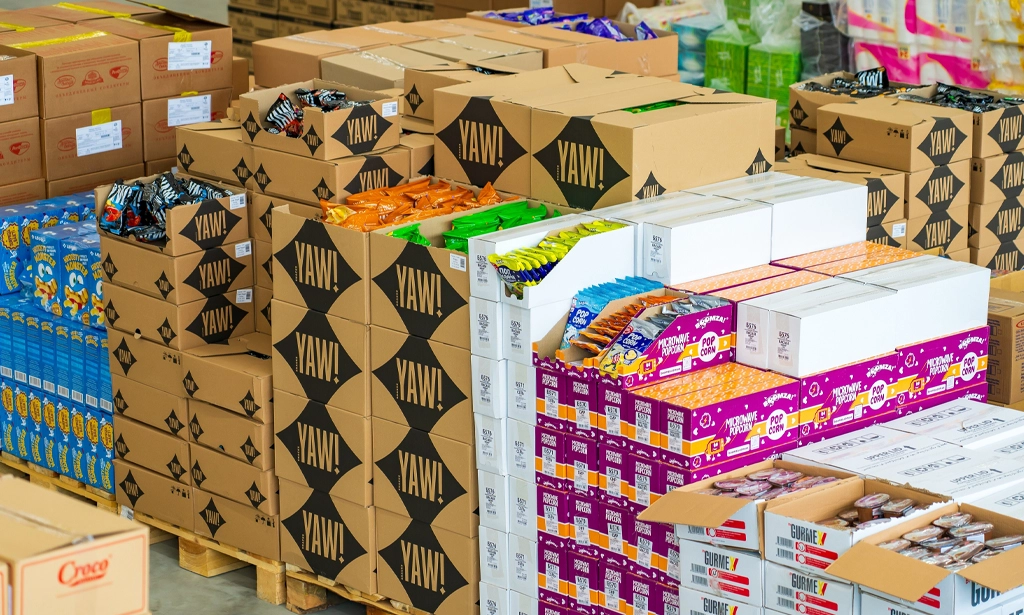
(493, 600)
(868, 455)
(486, 328)
(491, 439)
(971, 483)
(522, 392)
(811, 219)
(519, 604)
(797, 593)
(524, 326)
(1009, 502)
(965, 423)
(490, 390)
(522, 512)
(520, 450)
(493, 491)
(522, 568)
(830, 453)
(746, 186)
(494, 557)
(727, 574)
(697, 603)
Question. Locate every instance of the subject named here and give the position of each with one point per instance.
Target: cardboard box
(886, 188)
(151, 449)
(291, 26)
(81, 143)
(21, 145)
(804, 103)
(938, 189)
(177, 280)
(381, 68)
(234, 435)
(321, 10)
(473, 48)
(218, 473)
(892, 234)
(295, 177)
(421, 154)
(326, 136)
(160, 116)
(207, 321)
(323, 448)
(159, 167)
(231, 523)
(153, 407)
(802, 141)
(698, 603)
(170, 67)
(239, 76)
(894, 133)
(321, 357)
(995, 223)
(262, 298)
(628, 154)
(997, 178)
(20, 68)
(217, 150)
(48, 526)
(431, 478)
(90, 10)
(1006, 325)
(89, 181)
(24, 192)
(251, 26)
(147, 362)
(1006, 256)
(329, 536)
(192, 228)
(964, 423)
(261, 222)
(946, 230)
(264, 263)
(80, 71)
(168, 500)
(733, 575)
(24, 20)
(421, 82)
(793, 593)
(235, 375)
(449, 587)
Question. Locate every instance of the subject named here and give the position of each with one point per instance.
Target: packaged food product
(895, 545)
(973, 532)
(923, 534)
(870, 506)
(898, 508)
(953, 520)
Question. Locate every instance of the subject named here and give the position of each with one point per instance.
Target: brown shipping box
(473, 48)
(886, 188)
(231, 523)
(405, 550)
(320, 266)
(995, 223)
(24, 192)
(151, 449)
(995, 132)
(251, 25)
(321, 357)
(428, 477)
(421, 384)
(381, 68)
(169, 65)
(1006, 256)
(802, 141)
(262, 298)
(232, 434)
(207, 321)
(896, 134)
(264, 258)
(20, 66)
(153, 407)
(218, 473)
(294, 177)
(79, 68)
(178, 280)
(26, 20)
(158, 167)
(43, 550)
(946, 229)
(484, 126)
(260, 217)
(153, 494)
(90, 10)
(1006, 339)
(145, 361)
(320, 10)
(288, 26)
(938, 189)
(804, 103)
(89, 142)
(89, 181)
(239, 76)
(892, 234)
(323, 448)
(160, 117)
(325, 136)
(264, 6)
(421, 154)
(21, 151)
(588, 152)
(997, 178)
(328, 536)
(235, 375)
(193, 228)
(217, 150)
(421, 82)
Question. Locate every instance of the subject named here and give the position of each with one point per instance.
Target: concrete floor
(214, 10)
(174, 591)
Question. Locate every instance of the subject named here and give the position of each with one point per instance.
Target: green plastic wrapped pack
(726, 62)
(504, 216)
(771, 69)
(410, 233)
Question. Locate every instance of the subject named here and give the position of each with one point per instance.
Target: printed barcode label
(582, 414)
(389, 109)
(63, 391)
(613, 488)
(91, 401)
(486, 439)
(698, 580)
(643, 552)
(580, 476)
(698, 568)
(21, 376)
(106, 405)
(583, 590)
(483, 268)
(519, 456)
(492, 556)
(639, 604)
(521, 573)
(551, 576)
(611, 594)
(6, 372)
(457, 262)
(551, 518)
(551, 402)
(671, 609)
(522, 516)
(643, 489)
(127, 513)
(786, 604)
(785, 591)
(612, 421)
(243, 295)
(784, 542)
(615, 538)
(582, 531)
(99, 138)
(643, 428)
(76, 396)
(674, 564)
(49, 387)
(236, 201)
(243, 249)
(785, 554)
(6, 90)
(33, 381)
(189, 56)
(692, 612)
(189, 110)
(548, 463)
(675, 438)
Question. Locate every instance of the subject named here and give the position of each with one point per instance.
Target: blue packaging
(64, 438)
(35, 427)
(6, 349)
(49, 277)
(76, 354)
(7, 417)
(91, 245)
(62, 363)
(10, 246)
(49, 432)
(33, 353)
(48, 353)
(92, 368)
(76, 445)
(19, 340)
(98, 447)
(31, 221)
(76, 277)
(106, 386)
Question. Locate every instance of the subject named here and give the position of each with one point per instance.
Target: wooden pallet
(49, 479)
(309, 593)
(209, 558)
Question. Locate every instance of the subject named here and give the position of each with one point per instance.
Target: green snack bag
(726, 65)
(771, 68)
(410, 233)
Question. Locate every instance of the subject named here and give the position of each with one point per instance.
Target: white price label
(551, 403)
(243, 295)
(457, 262)
(582, 591)
(580, 476)
(613, 489)
(99, 138)
(643, 428)
(243, 249)
(582, 531)
(482, 269)
(7, 372)
(486, 443)
(196, 55)
(389, 109)
(673, 564)
(519, 455)
(615, 538)
(639, 604)
(188, 110)
(675, 438)
(643, 552)
(522, 515)
(548, 461)
(127, 513)
(551, 576)
(236, 201)
(612, 421)
(899, 230)
(551, 519)
(6, 90)
(643, 489)
(582, 414)
(611, 594)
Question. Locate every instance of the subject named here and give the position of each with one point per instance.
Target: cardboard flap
(491, 66)
(838, 165)
(215, 125)
(684, 508)
(184, 16)
(1001, 573)
(887, 571)
(260, 344)
(222, 349)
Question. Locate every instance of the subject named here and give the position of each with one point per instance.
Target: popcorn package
(847, 398)
(942, 365)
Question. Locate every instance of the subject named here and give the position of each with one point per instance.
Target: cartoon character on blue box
(76, 291)
(64, 439)
(46, 279)
(77, 442)
(8, 421)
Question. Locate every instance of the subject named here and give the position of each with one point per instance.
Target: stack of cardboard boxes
(256, 20)
(996, 183)
(20, 139)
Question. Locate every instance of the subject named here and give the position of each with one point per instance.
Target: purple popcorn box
(543, 608)
(552, 576)
(616, 476)
(648, 597)
(553, 516)
(643, 420)
(976, 392)
(585, 524)
(581, 471)
(821, 435)
(551, 408)
(549, 456)
(617, 529)
(581, 397)
(657, 553)
(848, 394)
(584, 584)
(941, 365)
(615, 587)
(610, 401)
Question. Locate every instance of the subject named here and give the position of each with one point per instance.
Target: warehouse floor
(215, 10)
(174, 591)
